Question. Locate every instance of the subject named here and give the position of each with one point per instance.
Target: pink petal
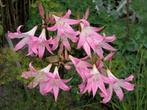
(109, 56)
(55, 92)
(108, 47)
(119, 93)
(96, 29)
(105, 79)
(97, 37)
(99, 51)
(102, 86)
(82, 87)
(21, 44)
(41, 50)
(71, 21)
(18, 29)
(27, 74)
(32, 31)
(30, 52)
(87, 49)
(130, 78)
(84, 22)
(107, 98)
(81, 42)
(53, 28)
(111, 76)
(66, 44)
(42, 35)
(33, 84)
(16, 35)
(127, 86)
(31, 67)
(91, 43)
(110, 39)
(68, 13)
(64, 87)
(44, 88)
(46, 44)
(86, 14)
(66, 80)
(74, 60)
(33, 44)
(54, 42)
(94, 89)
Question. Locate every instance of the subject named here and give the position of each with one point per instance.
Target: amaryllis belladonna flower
(81, 66)
(53, 84)
(37, 75)
(37, 45)
(96, 80)
(64, 30)
(23, 36)
(116, 85)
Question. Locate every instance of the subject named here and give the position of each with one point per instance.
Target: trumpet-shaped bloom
(89, 38)
(116, 85)
(104, 44)
(96, 80)
(81, 66)
(37, 75)
(37, 45)
(53, 84)
(64, 30)
(24, 36)
(83, 69)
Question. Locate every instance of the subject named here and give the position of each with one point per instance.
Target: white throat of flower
(43, 34)
(32, 31)
(56, 71)
(110, 75)
(96, 73)
(46, 69)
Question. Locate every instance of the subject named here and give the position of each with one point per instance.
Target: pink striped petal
(127, 86)
(108, 47)
(130, 78)
(68, 13)
(119, 93)
(110, 39)
(55, 92)
(53, 28)
(41, 50)
(66, 44)
(64, 87)
(81, 42)
(87, 49)
(21, 44)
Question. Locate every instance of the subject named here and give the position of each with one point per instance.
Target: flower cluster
(95, 76)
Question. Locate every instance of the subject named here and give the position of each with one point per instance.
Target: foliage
(131, 57)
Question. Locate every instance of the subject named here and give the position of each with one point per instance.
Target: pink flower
(117, 85)
(37, 75)
(53, 84)
(25, 36)
(37, 45)
(98, 48)
(64, 30)
(81, 66)
(88, 38)
(96, 80)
